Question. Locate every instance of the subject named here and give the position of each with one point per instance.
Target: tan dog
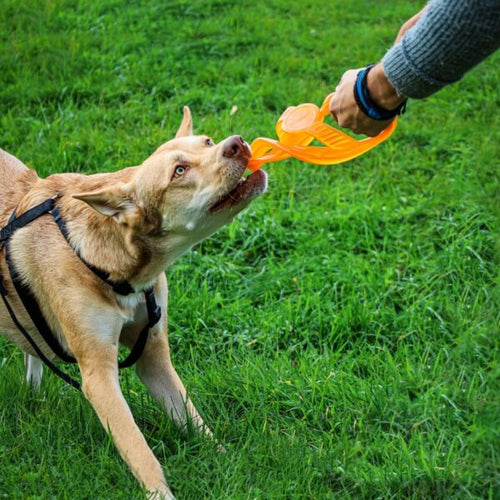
(133, 224)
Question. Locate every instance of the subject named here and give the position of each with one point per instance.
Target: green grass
(341, 336)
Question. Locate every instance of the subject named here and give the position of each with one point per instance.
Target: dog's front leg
(158, 374)
(100, 385)
(156, 370)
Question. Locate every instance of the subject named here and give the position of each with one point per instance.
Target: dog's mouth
(244, 191)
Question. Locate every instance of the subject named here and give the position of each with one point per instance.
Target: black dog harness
(33, 309)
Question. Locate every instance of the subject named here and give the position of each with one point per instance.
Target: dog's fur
(132, 223)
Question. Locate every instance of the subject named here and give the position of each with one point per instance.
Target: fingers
(345, 111)
(409, 24)
(342, 103)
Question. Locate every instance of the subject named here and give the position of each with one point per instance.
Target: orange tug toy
(298, 126)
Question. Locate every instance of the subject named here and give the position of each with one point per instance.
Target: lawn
(341, 337)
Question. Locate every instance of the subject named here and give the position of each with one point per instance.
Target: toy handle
(299, 126)
(325, 107)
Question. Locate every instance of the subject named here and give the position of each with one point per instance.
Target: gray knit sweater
(450, 38)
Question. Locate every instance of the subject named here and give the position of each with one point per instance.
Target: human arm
(450, 38)
(434, 48)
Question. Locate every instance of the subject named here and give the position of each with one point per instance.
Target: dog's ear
(110, 201)
(186, 127)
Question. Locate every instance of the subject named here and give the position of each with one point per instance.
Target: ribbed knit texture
(450, 38)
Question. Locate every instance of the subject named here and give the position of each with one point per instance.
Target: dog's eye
(209, 142)
(179, 170)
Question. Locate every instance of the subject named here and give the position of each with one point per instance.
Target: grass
(341, 336)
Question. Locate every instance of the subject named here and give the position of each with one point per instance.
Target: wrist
(381, 90)
(368, 105)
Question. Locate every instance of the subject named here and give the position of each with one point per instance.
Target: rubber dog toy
(298, 126)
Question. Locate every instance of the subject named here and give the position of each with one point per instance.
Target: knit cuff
(405, 77)
(451, 37)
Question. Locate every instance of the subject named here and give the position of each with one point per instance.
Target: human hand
(343, 106)
(346, 112)
(409, 24)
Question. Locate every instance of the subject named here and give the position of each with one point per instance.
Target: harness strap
(154, 315)
(33, 309)
(27, 217)
(33, 344)
(121, 287)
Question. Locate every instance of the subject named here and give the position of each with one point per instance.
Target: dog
(132, 224)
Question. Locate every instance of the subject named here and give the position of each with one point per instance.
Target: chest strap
(31, 305)
(120, 287)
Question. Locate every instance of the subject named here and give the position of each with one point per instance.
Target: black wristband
(366, 103)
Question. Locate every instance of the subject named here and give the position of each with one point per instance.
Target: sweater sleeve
(451, 37)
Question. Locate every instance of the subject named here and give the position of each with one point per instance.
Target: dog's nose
(235, 146)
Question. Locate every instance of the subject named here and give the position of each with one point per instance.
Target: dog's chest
(131, 306)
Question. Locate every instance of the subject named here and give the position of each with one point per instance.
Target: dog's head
(185, 191)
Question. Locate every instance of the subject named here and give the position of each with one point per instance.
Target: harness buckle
(54, 211)
(155, 316)
(154, 310)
